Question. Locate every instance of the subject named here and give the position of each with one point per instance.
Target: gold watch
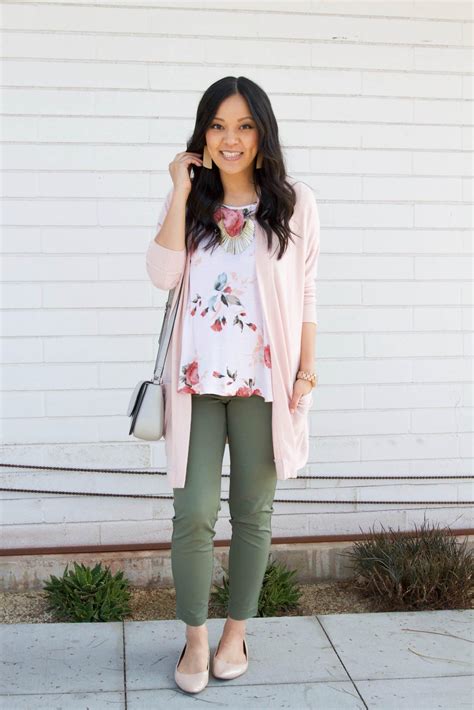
(309, 376)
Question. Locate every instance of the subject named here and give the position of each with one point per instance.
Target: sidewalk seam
(124, 667)
(316, 618)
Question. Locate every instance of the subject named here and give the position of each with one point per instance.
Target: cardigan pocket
(305, 401)
(300, 421)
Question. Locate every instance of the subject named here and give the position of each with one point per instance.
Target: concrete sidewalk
(402, 660)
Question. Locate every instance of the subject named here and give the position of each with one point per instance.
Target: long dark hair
(277, 197)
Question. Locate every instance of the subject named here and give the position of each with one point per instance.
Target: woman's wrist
(309, 375)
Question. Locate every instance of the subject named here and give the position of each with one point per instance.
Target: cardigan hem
(285, 469)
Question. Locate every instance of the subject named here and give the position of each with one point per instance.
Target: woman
(240, 239)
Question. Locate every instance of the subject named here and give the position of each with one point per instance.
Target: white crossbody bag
(146, 406)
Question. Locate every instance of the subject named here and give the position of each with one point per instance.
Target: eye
(219, 125)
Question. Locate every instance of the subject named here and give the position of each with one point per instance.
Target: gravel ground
(149, 604)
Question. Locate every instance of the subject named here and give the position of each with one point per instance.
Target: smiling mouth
(230, 155)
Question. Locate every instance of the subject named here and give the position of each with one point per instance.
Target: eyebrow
(216, 118)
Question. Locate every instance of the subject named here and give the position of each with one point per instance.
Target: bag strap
(166, 330)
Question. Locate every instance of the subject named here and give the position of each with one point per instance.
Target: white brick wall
(374, 106)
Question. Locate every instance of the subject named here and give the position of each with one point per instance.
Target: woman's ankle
(234, 627)
(196, 634)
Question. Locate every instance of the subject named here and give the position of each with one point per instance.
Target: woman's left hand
(299, 388)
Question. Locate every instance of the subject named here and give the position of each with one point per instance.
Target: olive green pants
(247, 421)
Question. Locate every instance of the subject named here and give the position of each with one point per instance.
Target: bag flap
(135, 396)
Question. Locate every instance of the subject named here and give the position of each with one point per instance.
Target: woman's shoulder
(302, 189)
(306, 208)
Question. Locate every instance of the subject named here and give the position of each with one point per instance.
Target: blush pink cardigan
(288, 296)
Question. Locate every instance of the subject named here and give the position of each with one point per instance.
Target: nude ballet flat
(226, 671)
(191, 682)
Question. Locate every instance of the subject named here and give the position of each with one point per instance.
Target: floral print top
(225, 348)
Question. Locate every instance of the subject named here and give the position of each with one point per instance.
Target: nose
(230, 139)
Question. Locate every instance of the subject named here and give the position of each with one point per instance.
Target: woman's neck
(240, 193)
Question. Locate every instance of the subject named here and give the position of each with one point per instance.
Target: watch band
(309, 376)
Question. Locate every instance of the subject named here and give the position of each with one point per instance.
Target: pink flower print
(197, 301)
(190, 377)
(192, 374)
(243, 392)
(217, 325)
(252, 326)
(188, 390)
(233, 220)
(266, 356)
(248, 390)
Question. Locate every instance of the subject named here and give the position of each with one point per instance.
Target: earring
(259, 161)
(206, 158)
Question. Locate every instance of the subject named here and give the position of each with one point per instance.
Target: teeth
(226, 152)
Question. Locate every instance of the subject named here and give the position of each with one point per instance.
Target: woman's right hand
(179, 170)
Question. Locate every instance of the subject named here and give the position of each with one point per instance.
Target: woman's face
(233, 129)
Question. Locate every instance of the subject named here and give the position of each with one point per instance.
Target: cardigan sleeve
(164, 266)
(311, 231)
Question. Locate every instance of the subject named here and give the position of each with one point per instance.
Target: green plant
(279, 592)
(86, 594)
(429, 569)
